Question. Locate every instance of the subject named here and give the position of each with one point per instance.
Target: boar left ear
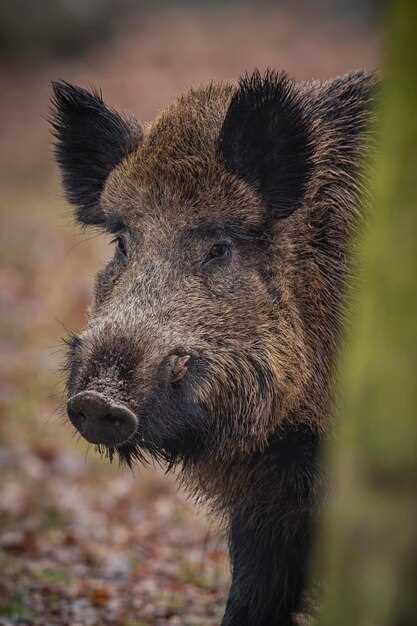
(265, 140)
(91, 139)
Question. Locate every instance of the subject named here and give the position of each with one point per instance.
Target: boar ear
(265, 140)
(91, 139)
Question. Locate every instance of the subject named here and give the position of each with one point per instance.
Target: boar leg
(269, 563)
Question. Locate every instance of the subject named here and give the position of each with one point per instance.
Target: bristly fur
(266, 139)
(91, 139)
(269, 170)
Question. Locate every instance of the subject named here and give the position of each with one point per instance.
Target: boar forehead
(176, 173)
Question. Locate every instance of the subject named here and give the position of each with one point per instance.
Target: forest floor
(83, 543)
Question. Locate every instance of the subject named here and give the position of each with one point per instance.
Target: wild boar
(212, 337)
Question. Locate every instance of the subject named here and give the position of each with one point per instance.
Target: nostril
(178, 366)
(81, 418)
(112, 419)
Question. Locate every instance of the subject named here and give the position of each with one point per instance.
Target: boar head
(215, 322)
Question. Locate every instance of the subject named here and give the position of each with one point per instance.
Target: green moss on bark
(368, 545)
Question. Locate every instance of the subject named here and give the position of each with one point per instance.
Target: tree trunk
(368, 546)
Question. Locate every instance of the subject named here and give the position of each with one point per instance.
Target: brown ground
(83, 543)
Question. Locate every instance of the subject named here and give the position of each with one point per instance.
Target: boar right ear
(265, 140)
(91, 139)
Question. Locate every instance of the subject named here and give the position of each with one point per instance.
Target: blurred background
(83, 543)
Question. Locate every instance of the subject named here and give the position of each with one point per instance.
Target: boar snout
(100, 420)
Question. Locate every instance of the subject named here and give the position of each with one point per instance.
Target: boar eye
(220, 251)
(120, 242)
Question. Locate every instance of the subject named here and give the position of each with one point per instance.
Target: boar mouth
(114, 429)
